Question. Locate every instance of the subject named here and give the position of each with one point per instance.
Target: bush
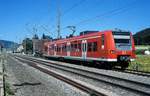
(136, 66)
(8, 91)
(139, 51)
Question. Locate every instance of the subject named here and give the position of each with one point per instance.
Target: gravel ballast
(109, 87)
(109, 72)
(132, 77)
(24, 80)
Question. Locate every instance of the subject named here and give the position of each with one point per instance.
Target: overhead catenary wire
(111, 12)
(60, 14)
(74, 6)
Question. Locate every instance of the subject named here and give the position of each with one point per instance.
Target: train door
(68, 49)
(103, 46)
(103, 43)
(84, 49)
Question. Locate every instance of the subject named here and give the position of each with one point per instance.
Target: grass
(141, 63)
(8, 91)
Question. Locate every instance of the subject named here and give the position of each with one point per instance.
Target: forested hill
(142, 37)
(8, 44)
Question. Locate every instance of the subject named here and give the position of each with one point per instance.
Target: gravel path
(27, 81)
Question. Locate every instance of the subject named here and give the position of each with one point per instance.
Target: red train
(107, 48)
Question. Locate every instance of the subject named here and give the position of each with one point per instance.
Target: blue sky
(18, 17)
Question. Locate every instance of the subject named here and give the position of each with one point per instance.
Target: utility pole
(58, 22)
(34, 40)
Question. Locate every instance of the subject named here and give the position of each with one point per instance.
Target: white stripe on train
(87, 58)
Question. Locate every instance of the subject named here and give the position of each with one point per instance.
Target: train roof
(86, 34)
(82, 35)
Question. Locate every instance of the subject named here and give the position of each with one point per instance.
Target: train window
(72, 47)
(62, 47)
(94, 46)
(79, 46)
(127, 41)
(89, 47)
(65, 47)
(52, 47)
(46, 48)
(56, 48)
(102, 39)
(59, 48)
(75, 46)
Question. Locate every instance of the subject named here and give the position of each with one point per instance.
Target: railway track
(133, 86)
(135, 72)
(129, 71)
(93, 91)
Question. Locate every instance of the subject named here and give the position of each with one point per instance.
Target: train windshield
(122, 40)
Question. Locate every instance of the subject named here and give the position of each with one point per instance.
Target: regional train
(106, 48)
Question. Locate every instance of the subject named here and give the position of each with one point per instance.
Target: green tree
(28, 46)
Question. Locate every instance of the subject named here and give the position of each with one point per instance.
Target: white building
(20, 48)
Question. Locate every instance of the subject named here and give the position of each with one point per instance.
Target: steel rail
(89, 90)
(98, 74)
(135, 72)
(130, 71)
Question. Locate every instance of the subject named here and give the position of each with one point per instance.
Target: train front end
(124, 49)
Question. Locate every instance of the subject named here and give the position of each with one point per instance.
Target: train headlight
(124, 58)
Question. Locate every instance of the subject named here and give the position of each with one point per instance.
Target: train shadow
(93, 64)
(27, 83)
